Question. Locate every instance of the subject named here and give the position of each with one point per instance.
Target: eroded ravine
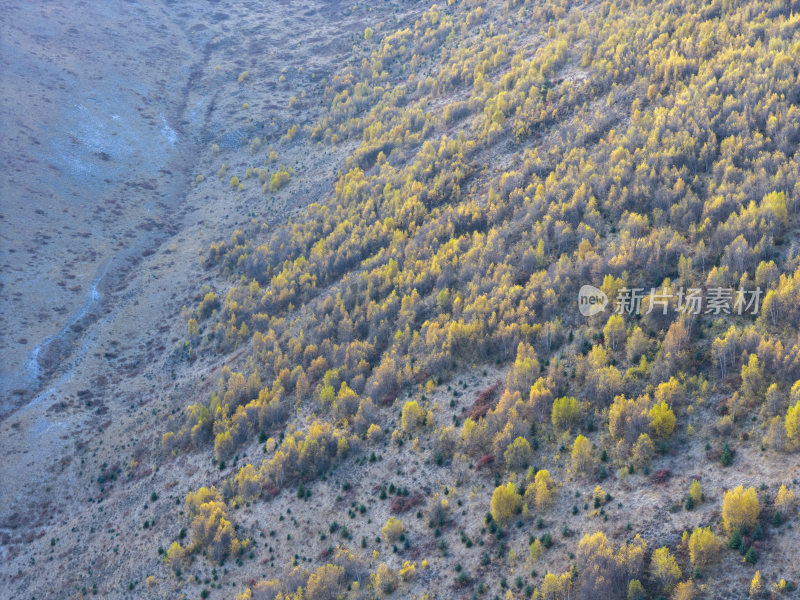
(97, 171)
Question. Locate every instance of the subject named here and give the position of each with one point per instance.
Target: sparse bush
(408, 572)
(279, 179)
(384, 580)
(393, 529)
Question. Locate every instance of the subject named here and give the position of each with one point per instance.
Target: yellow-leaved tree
(792, 423)
(756, 586)
(413, 416)
(505, 502)
(614, 331)
(642, 451)
(603, 568)
(664, 569)
(384, 579)
(518, 454)
(785, 500)
(325, 582)
(661, 419)
(685, 590)
(565, 412)
(740, 509)
(704, 547)
(696, 492)
(535, 551)
(582, 459)
(544, 489)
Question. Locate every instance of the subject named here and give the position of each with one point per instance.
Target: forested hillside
(412, 403)
(500, 157)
